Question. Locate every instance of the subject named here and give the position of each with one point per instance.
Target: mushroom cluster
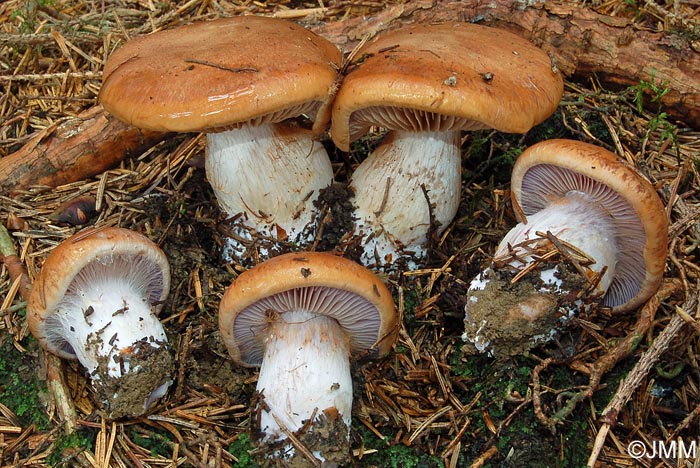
(96, 300)
(301, 317)
(425, 84)
(592, 230)
(242, 80)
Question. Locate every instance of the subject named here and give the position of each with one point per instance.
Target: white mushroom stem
(305, 370)
(576, 219)
(270, 173)
(105, 320)
(394, 185)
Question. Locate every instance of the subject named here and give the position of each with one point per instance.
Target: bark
(14, 264)
(76, 149)
(581, 42)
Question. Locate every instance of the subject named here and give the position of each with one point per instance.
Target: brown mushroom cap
(551, 168)
(447, 76)
(353, 295)
(214, 74)
(67, 260)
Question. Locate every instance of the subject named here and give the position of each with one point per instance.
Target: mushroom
(592, 230)
(300, 316)
(241, 80)
(95, 300)
(425, 83)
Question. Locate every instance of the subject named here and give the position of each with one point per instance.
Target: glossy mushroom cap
(448, 76)
(149, 270)
(552, 168)
(317, 282)
(213, 75)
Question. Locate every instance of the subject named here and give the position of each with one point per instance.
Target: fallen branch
(76, 149)
(606, 362)
(636, 375)
(581, 42)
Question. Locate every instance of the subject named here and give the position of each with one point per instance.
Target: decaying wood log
(76, 149)
(581, 41)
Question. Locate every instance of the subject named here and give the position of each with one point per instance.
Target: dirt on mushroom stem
(326, 436)
(126, 395)
(494, 319)
(329, 229)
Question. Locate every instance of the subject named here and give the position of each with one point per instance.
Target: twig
(299, 445)
(635, 377)
(605, 363)
(47, 76)
(8, 255)
(484, 457)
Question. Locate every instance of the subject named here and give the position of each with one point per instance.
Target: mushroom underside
(407, 119)
(545, 182)
(355, 314)
(107, 321)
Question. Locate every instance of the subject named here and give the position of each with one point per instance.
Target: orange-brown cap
(551, 168)
(149, 270)
(447, 76)
(215, 74)
(317, 282)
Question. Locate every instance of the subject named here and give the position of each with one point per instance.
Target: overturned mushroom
(592, 230)
(426, 83)
(242, 80)
(300, 317)
(96, 300)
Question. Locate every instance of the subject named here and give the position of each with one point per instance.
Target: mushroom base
(133, 392)
(508, 319)
(320, 437)
(248, 246)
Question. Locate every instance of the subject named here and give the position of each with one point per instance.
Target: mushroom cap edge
(306, 269)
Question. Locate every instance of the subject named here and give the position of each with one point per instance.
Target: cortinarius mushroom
(96, 300)
(240, 80)
(426, 83)
(300, 317)
(592, 230)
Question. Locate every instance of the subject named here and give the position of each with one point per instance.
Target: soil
(326, 436)
(508, 319)
(336, 201)
(208, 367)
(125, 396)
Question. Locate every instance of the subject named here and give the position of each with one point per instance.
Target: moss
(20, 388)
(240, 449)
(524, 441)
(156, 441)
(394, 455)
(67, 446)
